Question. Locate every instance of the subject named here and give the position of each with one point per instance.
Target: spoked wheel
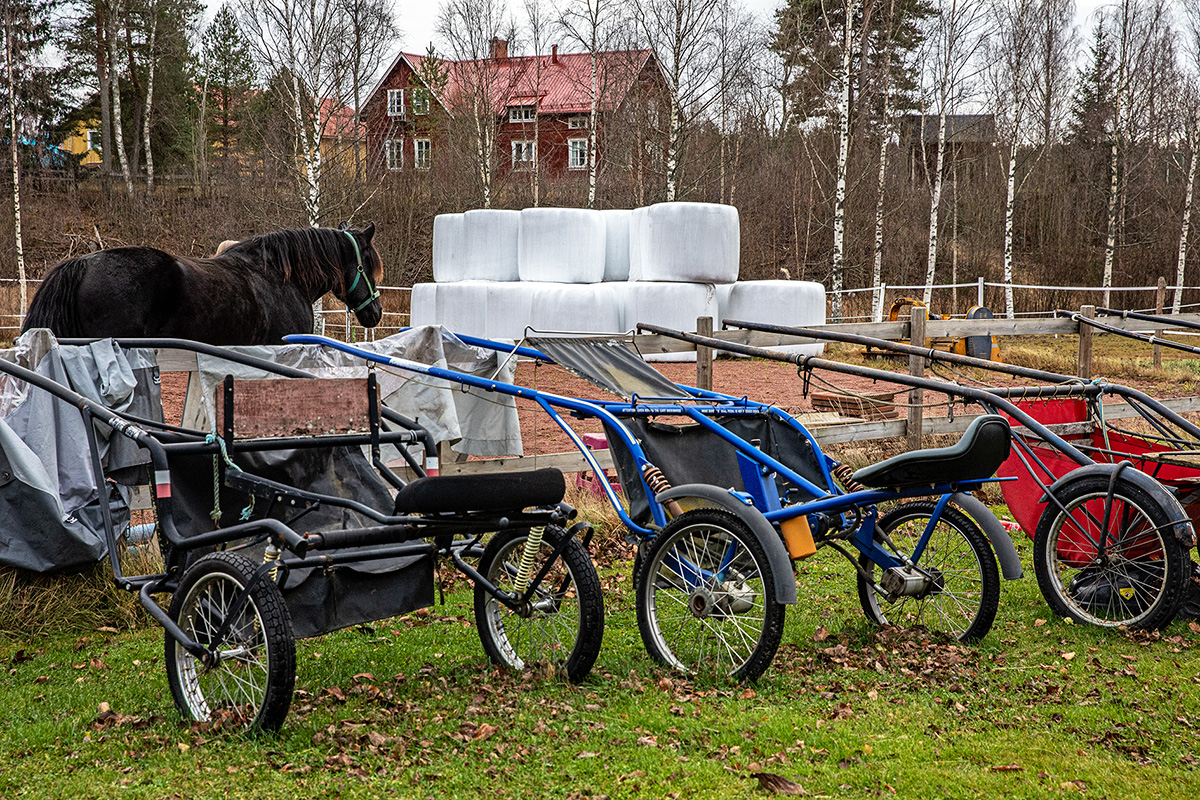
(956, 586)
(706, 597)
(562, 626)
(1130, 570)
(248, 683)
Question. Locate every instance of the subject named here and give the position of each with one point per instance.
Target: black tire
(565, 626)
(251, 687)
(966, 594)
(1138, 579)
(729, 627)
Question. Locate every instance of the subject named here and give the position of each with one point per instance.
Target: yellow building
(84, 140)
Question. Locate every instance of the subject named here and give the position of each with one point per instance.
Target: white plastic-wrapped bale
(616, 248)
(638, 221)
(489, 245)
(581, 307)
(687, 242)
(564, 245)
(671, 305)
(796, 303)
(447, 248)
(422, 304)
(508, 308)
(462, 307)
(723, 291)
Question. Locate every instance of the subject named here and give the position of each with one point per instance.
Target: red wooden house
(541, 106)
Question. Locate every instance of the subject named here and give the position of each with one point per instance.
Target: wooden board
(281, 407)
(867, 406)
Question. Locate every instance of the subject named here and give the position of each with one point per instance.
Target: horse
(252, 292)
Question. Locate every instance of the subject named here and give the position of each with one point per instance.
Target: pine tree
(1092, 106)
(228, 72)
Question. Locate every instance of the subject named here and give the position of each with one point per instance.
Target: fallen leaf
(749, 694)
(485, 731)
(1037, 623)
(587, 755)
(647, 741)
(1007, 768)
(778, 784)
(819, 636)
(376, 738)
(1068, 656)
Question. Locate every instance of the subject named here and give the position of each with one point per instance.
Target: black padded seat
(510, 491)
(977, 455)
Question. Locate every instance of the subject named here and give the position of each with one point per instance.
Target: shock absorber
(532, 543)
(846, 475)
(658, 484)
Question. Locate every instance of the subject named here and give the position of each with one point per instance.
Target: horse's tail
(54, 306)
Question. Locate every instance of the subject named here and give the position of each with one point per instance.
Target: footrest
(255, 486)
(510, 491)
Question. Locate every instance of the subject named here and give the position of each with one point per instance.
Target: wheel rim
(706, 600)
(236, 686)
(956, 597)
(548, 630)
(1108, 580)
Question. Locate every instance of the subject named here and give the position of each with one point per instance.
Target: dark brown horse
(254, 292)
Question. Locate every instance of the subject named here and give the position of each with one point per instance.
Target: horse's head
(362, 275)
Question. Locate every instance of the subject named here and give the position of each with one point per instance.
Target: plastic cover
(616, 248)
(447, 248)
(672, 305)
(797, 303)
(688, 242)
(489, 245)
(566, 245)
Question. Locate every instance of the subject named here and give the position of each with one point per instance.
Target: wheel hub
(701, 602)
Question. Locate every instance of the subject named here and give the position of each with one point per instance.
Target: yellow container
(798, 537)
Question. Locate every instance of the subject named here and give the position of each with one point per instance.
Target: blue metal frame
(759, 470)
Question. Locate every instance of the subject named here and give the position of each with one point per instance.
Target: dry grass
(32, 604)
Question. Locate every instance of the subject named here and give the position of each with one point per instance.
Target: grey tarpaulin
(474, 421)
(50, 512)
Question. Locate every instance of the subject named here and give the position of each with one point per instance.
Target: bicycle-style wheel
(706, 597)
(1131, 571)
(962, 592)
(250, 684)
(562, 626)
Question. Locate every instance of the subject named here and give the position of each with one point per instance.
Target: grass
(410, 707)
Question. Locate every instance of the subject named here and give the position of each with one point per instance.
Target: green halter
(360, 275)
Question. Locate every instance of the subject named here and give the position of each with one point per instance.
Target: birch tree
(470, 30)
(1055, 45)
(589, 23)
(151, 63)
(1190, 102)
(1010, 55)
(115, 16)
(681, 34)
(958, 32)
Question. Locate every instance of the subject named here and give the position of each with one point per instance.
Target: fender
(768, 537)
(1006, 552)
(1180, 524)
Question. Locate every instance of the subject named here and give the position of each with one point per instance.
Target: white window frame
(393, 152)
(93, 139)
(524, 147)
(418, 162)
(579, 121)
(421, 100)
(580, 146)
(522, 113)
(395, 102)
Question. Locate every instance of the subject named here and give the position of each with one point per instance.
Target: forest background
(841, 130)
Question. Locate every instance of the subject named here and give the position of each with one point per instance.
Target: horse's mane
(301, 255)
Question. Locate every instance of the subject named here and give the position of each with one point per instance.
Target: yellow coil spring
(846, 475)
(654, 478)
(528, 555)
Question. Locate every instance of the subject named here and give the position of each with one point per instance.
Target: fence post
(979, 292)
(916, 368)
(1159, 298)
(704, 355)
(1085, 343)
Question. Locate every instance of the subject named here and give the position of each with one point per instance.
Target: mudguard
(1006, 552)
(1181, 525)
(768, 537)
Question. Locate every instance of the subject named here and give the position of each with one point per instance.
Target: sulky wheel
(563, 624)
(706, 597)
(249, 681)
(1130, 571)
(963, 582)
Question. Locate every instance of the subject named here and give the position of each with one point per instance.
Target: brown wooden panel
(266, 408)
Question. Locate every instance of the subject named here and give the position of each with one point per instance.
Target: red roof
(562, 85)
(338, 118)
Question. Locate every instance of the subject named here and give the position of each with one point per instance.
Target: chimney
(499, 49)
(553, 54)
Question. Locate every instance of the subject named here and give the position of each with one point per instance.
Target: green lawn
(409, 708)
